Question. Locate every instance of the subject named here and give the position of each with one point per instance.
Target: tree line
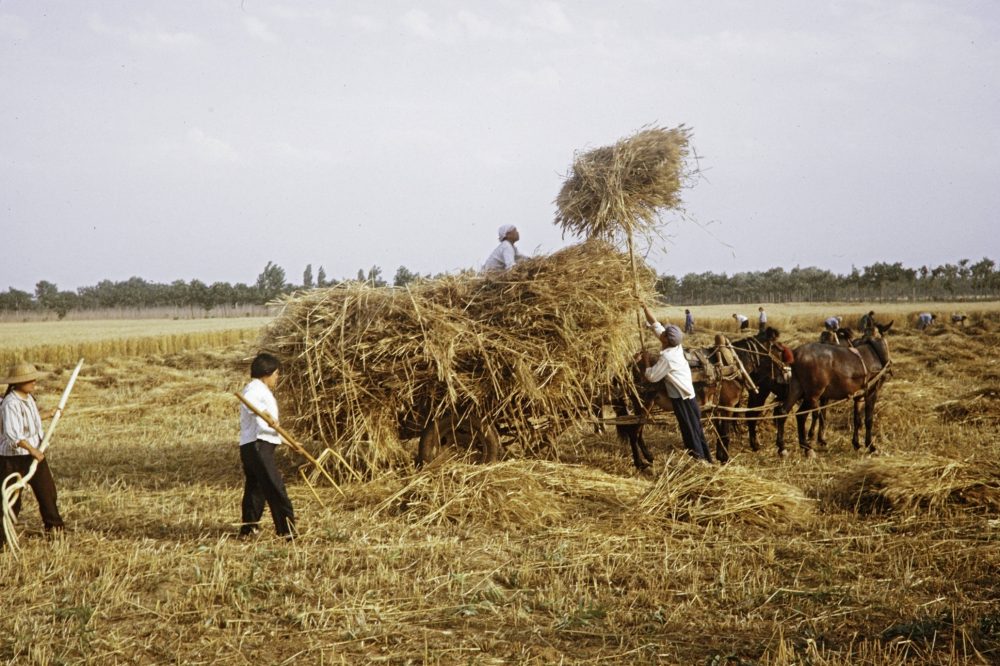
(879, 282)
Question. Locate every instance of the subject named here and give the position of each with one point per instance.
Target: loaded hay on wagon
(367, 368)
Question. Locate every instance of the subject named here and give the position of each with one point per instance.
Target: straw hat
(20, 373)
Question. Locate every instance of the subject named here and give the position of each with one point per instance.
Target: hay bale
(367, 367)
(702, 494)
(929, 483)
(619, 190)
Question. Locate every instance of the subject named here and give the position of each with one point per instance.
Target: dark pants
(264, 483)
(744, 325)
(689, 419)
(42, 484)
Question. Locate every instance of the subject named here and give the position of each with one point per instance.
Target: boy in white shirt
(257, 443)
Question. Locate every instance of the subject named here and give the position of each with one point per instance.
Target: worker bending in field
(672, 368)
(505, 255)
(257, 443)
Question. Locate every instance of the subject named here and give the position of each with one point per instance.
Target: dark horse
(823, 372)
(641, 397)
(761, 355)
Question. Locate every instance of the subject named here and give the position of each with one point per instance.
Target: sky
(201, 139)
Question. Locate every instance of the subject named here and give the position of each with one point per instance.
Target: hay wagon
(473, 360)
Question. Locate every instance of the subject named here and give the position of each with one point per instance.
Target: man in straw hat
(505, 255)
(21, 434)
(672, 368)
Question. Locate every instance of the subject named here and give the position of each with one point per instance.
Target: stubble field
(842, 560)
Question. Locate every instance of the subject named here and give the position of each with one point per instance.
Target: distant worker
(688, 322)
(742, 321)
(761, 319)
(673, 369)
(831, 323)
(505, 255)
(924, 320)
(958, 318)
(866, 325)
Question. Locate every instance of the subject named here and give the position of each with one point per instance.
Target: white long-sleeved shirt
(672, 367)
(503, 257)
(21, 421)
(252, 427)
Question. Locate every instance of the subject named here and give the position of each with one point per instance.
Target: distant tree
(15, 300)
(307, 277)
(45, 294)
(404, 276)
(361, 275)
(271, 282)
(321, 278)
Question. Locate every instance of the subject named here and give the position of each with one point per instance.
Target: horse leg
(800, 421)
(856, 426)
(722, 443)
(782, 410)
(870, 399)
(632, 433)
(821, 419)
(755, 401)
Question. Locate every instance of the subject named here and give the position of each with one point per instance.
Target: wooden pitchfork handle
(294, 445)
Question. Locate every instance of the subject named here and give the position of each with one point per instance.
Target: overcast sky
(180, 139)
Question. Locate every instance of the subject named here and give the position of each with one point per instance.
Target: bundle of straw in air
(366, 368)
(618, 191)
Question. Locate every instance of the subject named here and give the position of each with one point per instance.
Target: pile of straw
(693, 492)
(619, 190)
(526, 494)
(366, 367)
(929, 483)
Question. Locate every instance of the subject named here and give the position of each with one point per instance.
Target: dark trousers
(264, 483)
(689, 419)
(42, 484)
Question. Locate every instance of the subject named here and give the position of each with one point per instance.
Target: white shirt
(20, 421)
(503, 257)
(740, 318)
(252, 427)
(672, 367)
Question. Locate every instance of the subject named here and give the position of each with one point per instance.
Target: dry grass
(573, 561)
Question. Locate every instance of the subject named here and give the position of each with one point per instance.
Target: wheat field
(843, 560)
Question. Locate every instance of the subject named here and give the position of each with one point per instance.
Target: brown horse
(644, 396)
(823, 372)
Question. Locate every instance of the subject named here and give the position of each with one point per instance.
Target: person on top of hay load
(20, 436)
(673, 369)
(257, 443)
(505, 255)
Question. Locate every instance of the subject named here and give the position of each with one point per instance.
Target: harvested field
(842, 560)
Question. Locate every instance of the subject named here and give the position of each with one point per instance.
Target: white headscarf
(504, 230)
